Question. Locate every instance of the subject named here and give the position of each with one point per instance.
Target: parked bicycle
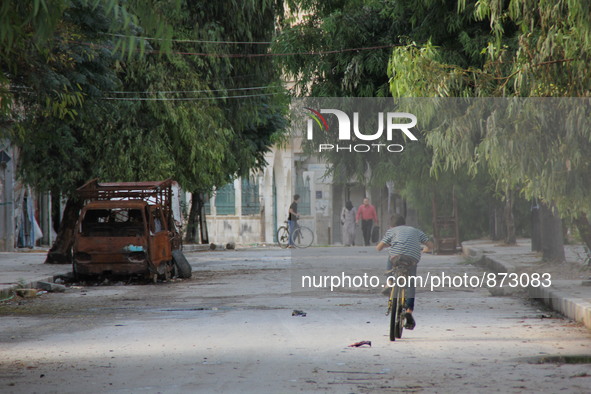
(302, 236)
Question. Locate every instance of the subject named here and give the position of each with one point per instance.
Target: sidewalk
(570, 290)
(26, 268)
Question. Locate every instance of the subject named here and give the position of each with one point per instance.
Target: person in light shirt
(368, 216)
(348, 222)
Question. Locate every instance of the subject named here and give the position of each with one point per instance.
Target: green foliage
(29, 27)
(436, 50)
(213, 136)
(329, 27)
(534, 49)
(61, 90)
(93, 101)
(340, 49)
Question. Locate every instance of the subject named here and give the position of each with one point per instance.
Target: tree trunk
(510, 238)
(584, 227)
(552, 237)
(197, 220)
(536, 229)
(498, 229)
(191, 235)
(203, 221)
(61, 251)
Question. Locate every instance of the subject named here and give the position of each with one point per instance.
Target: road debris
(26, 293)
(51, 287)
(297, 312)
(361, 343)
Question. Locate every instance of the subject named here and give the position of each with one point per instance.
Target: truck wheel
(181, 263)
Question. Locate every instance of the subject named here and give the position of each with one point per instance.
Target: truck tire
(181, 263)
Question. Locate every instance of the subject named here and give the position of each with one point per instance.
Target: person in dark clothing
(292, 218)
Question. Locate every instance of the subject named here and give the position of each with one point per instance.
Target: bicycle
(302, 236)
(396, 302)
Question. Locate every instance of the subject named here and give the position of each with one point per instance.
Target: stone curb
(574, 308)
(202, 248)
(188, 248)
(8, 291)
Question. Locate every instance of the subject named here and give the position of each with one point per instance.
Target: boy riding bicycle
(405, 248)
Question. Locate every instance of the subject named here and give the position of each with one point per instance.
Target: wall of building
(239, 229)
(7, 223)
(288, 169)
(275, 195)
(25, 215)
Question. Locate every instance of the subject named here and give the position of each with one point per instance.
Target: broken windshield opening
(118, 222)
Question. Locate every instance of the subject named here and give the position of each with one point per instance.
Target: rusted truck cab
(128, 229)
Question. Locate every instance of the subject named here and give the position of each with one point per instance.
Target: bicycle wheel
(399, 315)
(303, 237)
(393, 302)
(283, 237)
(396, 313)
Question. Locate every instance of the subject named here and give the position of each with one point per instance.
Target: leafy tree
(443, 51)
(535, 49)
(242, 122)
(27, 29)
(329, 29)
(551, 60)
(68, 133)
(337, 48)
(93, 112)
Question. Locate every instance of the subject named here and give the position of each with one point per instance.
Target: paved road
(231, 329)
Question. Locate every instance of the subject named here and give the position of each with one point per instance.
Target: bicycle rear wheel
(396, 313)
(393, 310)
(399, 314)
(303, 237)
(283, 237)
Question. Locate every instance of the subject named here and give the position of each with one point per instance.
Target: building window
(303, 189)
(225, 200)
(250, 197)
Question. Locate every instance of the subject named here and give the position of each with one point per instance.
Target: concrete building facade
(290, 171)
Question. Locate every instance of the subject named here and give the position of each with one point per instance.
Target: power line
(192, 91)
(247, 55)
(250, 55)
(192, 41)
(29, 90)
(186, 98)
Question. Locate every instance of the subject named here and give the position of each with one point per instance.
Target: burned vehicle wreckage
(129, 229)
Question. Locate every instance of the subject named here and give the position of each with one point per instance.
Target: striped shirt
(405, 240)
